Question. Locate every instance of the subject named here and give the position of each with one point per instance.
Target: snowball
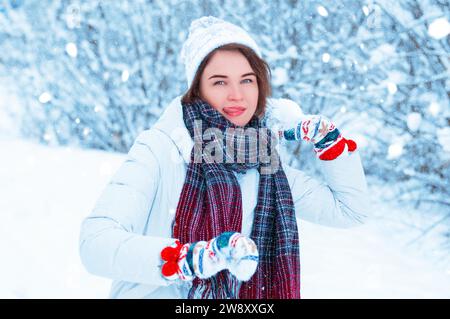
(283, 114)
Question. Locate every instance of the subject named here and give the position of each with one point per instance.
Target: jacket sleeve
(111, 242)
(341, 201)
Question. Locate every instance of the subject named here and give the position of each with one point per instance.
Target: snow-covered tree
(93, 73)
(409, 104)
(96, 73)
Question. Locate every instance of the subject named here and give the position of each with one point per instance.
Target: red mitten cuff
(335, 149)
(170, 255)
(176, 266)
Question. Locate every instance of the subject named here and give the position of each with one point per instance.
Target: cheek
(212, 96)
(253, 92)
(216, 101)
(254, 96)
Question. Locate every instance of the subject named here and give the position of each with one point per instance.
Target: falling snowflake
(439, 28)
(71, 49)
(45, 97)
(322, 11)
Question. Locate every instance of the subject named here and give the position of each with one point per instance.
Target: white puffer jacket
(131, 222)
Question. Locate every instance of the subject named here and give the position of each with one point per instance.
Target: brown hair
(259, 66)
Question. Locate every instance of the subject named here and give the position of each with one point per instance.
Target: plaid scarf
(211, 203)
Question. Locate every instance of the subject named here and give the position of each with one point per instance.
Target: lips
(234, 110)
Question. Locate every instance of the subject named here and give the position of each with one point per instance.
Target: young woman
(200, 211)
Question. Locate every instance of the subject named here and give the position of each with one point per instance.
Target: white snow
(86, 131)
(71, 49)
(125, 75)
(280, 76)
(365, 9)
(382, 53)
(47, 137)
(443, 135)
(292, 52)
(434, 108)
(395, 150)
(45, 97)
(439, 28)
(46, 192)
(413, 121)
(392, 87)
(360, 263)
(73, 18)
(325, 57)
(337, 63)
(98, 108)
(9, 110)
(322, 11)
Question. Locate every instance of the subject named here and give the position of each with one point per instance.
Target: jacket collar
(172, 124)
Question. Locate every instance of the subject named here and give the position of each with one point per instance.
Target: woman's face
(229, 84)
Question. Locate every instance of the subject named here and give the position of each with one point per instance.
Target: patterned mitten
(230, 250)
(319, 130)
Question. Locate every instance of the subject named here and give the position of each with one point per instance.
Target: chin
(238, 122)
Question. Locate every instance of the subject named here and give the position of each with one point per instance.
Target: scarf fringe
(221, 286)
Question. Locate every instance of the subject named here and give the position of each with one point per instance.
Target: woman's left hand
(320, 131)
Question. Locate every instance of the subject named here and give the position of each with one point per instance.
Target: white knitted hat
(206, 34)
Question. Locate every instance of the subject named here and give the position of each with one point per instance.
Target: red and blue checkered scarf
(211, 203)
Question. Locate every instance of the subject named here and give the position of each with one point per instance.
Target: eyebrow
(224, 76)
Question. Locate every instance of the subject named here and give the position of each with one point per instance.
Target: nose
(235, 93)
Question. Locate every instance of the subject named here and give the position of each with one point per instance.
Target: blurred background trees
(95, 73)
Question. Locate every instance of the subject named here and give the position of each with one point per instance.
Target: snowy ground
(46, 192)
